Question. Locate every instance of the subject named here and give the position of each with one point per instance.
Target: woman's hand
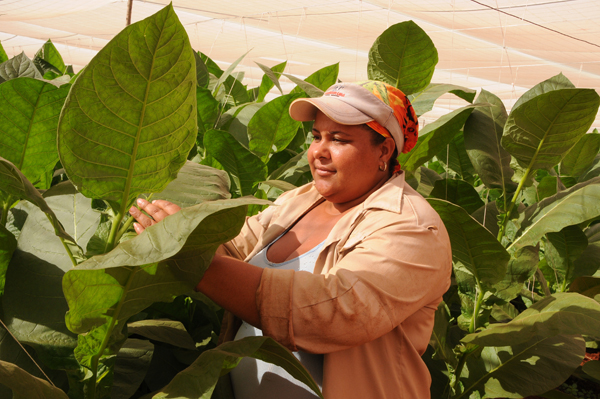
(158, 210)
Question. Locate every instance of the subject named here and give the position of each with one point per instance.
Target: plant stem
(513, 201)
(110, 243)
(480, 295)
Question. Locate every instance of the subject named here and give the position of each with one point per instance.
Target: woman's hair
(377, 139)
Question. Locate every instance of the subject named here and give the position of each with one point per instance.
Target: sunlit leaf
(3, 55)
(129, 121)
(423, 101)
(167, 331)
(403, 56)
(51, 58)
(472, 245)
(18, 66)
(321, 79)
(24, 385)
(557, 82)
(29, 111)
(560, 314)
(541, 131)
(522, 265)
(272, 128)
(199, 380)
(482, 134)
(270, 79)
(434, 137)
(582, 155)
(237, 119)
(308, 88)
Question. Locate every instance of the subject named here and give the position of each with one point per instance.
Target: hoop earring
(384, 167)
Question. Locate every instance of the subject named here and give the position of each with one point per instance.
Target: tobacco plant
(107, 313)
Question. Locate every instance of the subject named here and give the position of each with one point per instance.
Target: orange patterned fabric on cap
(403, 111)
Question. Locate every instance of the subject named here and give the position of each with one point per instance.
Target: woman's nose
(320, 149)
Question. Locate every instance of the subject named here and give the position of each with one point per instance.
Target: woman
(382, 259)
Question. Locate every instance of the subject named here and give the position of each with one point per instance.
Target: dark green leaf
(482, 135)
(270, 79)
(29, 111)
(293, 170)
(521, 267)
(435, 137)
(24, 385)
(131, 365)
(199, 380)
(52, 58)
(572, 206)
(167, 331)
(547, 187)
(403, 56)
(592, 368)
(202, 75)
(237, 119)
(196, 183)
(560, 314)
(561, 251)
(129, 121)
(439, 336)
(488, 217)
(458, 192)
(521, 370)
(247, 169)
(427, 178)
(455, 156)
(554, 83)
(8, 244)
(272, 128)
(541, 131)
(423, 101)
(472, 245)
(582, 155)
(588, 286)
(18, 66)
(208, 110)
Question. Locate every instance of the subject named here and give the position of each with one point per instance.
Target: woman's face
(344, 161)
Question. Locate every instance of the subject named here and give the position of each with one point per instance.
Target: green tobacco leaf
(196, 183)
(225, 76)
(522, 370)
(123, 282)
(247, 169)
(208, 110)
(24, 385)
(272, 128)
(29, 111)
(561, 251)
(308, 88)
(435, 137)
(548, 187)
(236, 121)
(439, 336)
(293, 170)
(423, 101)
(572, 206)
(131, 365)
(456, 158)
(280, 184)
(199, 380)
(557, 82)
(541, 131)
(129, 121)
(270, 79)
(472, 244)
(202, 74)
(592, 368)
(403, 56)
(427, 178)
(18, 66)
(52, 58)
(560, 314)
(482, 133)
(582, 155)
(167, 331)
(8, 244)
(3, 56)
(321, 79)
(34, 305)
(458, 192)
(15, 184)
(521, 267)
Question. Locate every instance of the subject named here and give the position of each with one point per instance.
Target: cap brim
(305, 109)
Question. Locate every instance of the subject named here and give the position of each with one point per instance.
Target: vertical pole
(129, 6)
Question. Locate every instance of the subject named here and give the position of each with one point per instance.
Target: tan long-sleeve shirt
(369, 305)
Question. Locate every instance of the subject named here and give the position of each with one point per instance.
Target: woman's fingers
(156, 210)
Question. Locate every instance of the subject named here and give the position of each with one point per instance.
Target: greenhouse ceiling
(502, 46)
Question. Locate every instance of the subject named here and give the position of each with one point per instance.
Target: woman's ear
(387, 149)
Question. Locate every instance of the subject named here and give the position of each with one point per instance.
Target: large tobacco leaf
(272, 128)
(472, 244)
(483, 132)
(456, 158)
(29, 111)
(19, 65)
(557, 82)
(270, 79)
(458, 192)
(572, 206)
(24, 385)
(435, 137)
(321, 79)
(582, 156)
(49, 61)
(245, 167)
(521, 370)
(403, 56)
(129, 121)
(562, 249)
(131, 365)
(166, 260)
(423, 101)
(541, 131)
(521, 267)
(199, 380)
(560, 314)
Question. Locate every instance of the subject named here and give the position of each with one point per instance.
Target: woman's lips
(324, 172)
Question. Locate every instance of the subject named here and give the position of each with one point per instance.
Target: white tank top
(255, 379)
